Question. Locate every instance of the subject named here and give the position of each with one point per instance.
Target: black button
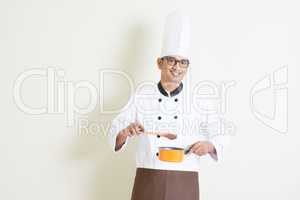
(176, 100)
(159, 117)
(175, 117)
(159, 100)
(158, 136)
(157, 154)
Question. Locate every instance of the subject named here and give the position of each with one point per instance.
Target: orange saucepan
(172, 154)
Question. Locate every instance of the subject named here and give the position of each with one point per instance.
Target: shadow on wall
(111, 175)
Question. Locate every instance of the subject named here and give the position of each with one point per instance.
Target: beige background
(44, 158)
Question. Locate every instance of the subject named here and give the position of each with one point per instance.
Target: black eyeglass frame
(181, 65)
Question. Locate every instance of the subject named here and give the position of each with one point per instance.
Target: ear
(159, 62)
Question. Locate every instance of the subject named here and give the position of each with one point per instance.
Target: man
(162, 109)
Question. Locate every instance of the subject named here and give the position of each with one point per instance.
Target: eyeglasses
(183, 63)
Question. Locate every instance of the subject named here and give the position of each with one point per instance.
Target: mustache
(177, 71)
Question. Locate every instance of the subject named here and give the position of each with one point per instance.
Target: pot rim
(171, 148)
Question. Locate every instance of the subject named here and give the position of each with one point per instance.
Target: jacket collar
(173, 93)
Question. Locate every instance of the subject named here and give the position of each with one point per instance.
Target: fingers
(139, 128)
(132, 131)
(199, 148)
(135, 129)
(200, 151)
(195, 146)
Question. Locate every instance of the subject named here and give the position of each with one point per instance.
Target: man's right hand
(131, 130)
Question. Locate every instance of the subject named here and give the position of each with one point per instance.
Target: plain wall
(45, 157)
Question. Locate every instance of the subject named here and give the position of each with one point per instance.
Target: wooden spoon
(170, 136)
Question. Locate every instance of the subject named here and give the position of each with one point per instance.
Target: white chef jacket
(159, 110)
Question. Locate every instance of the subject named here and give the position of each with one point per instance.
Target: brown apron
(154, 184)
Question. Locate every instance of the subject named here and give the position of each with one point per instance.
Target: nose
(176, 66)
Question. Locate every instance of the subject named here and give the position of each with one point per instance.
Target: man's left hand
(202, 148)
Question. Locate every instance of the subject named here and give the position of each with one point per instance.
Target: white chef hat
(177, 34)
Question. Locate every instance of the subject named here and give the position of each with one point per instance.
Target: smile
(175, 74)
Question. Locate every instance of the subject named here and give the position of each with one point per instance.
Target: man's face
(170, 73)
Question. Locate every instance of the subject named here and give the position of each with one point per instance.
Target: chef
(161, 109)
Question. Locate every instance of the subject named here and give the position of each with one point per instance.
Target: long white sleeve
(219, 137)
(121, 121)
